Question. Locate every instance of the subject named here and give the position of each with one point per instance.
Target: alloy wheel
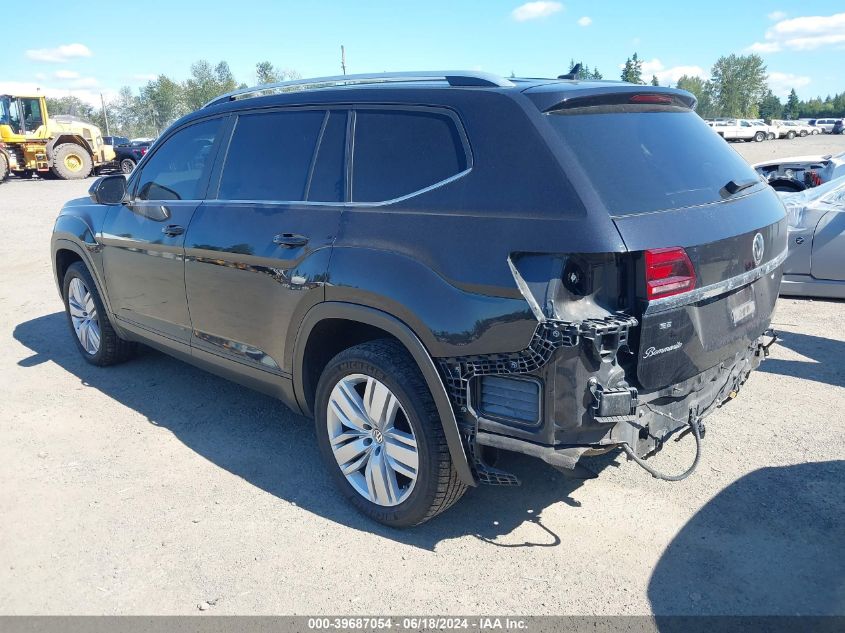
(372, 440)
(83, 316)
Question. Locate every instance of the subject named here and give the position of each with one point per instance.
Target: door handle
(290, 240)
(172, 230)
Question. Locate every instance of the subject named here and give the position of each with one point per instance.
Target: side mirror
(108, 190)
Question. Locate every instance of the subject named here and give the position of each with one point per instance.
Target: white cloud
(59, 54)
(66, 74)
(145, 77)
(585, 21)
(669, 75)
(774, 16)
(535, 10)
(803, 34)
(83, 93)
(782, 83)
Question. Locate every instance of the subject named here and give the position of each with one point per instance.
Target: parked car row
(758, 130)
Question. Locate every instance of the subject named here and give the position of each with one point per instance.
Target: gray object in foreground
(816, 263)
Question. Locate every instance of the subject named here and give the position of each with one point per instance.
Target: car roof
(351, 88)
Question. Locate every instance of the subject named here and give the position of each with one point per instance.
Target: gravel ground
(153, 487)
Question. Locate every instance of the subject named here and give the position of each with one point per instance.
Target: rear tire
(127, 165)
(760, 137)
(803, 133)
(95, 337)
(71, 162)
(790, 135)
(4, 167)
(365, 376)
(770, 136)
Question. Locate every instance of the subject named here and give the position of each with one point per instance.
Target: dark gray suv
(438, 267)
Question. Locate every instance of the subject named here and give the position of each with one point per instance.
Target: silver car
(815, 266)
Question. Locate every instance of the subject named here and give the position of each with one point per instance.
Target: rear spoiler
(549, 99)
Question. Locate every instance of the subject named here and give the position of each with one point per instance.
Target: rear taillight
(651, 98)
(143, 151)
(668, 271)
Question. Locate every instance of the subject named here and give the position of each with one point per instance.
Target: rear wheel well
(328, 339)
(64, 258)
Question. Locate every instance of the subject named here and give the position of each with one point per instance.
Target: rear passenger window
(270, 156)
(327, 181)
(400, 152)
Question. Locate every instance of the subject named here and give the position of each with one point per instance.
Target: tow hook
(764, 347)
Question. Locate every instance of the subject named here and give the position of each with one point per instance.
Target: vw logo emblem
(758, 247)
(377, 436)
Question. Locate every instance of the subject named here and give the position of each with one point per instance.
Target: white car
(797, 128)
(738, 130)
(798, 173)
(825, 126)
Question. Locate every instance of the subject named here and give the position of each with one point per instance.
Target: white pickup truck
(739, 130)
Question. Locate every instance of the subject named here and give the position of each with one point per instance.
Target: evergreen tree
(654, 81)
(633, 70)
(792, 109)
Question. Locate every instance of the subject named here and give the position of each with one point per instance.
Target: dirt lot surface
(152, 487)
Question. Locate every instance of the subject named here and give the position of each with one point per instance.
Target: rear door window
(270, 156)
(329, 174)
(641, 161)
(400, 152)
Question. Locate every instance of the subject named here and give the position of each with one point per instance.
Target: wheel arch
(61, 139)
(356, 324)
(66, 252)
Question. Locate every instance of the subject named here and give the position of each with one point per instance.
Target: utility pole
(105, 114)
(343, 59)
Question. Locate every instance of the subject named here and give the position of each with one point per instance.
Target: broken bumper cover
(585, 406)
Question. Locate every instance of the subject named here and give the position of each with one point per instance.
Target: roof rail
(454, 77)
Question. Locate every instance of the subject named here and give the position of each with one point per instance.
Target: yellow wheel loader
(33, 142)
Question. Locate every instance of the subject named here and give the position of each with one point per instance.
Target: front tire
(71, 162)
(760, 137)
(4, 167)
(790, 135)
(381, 438)
(803, 133)
(88, 320)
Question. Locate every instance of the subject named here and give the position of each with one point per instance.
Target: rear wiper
(733, 187)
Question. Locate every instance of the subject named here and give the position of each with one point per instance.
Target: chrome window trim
(700, 294)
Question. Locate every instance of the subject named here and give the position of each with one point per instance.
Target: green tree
(792, 110)
(206, 83)
(654, 80)
(770, 107)
(633, 70)
(585, 73)
(71, 105)
(739, 84)
(703, 92)
(266, 73)
(163, 98)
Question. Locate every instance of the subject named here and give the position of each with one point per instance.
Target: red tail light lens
(652, 98)
(668, 271)
(143, 151)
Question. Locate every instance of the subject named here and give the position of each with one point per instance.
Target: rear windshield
(650, 160)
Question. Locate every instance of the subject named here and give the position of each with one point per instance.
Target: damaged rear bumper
(566, 396)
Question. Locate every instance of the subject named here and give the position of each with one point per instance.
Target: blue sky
(126, 43)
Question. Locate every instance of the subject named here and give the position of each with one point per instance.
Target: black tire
(127, 165)
(790, 135)
(113, 349)
(437, 486)
(71, 162)
(760, 137)
(4, 167)
(770, 136)
(803, 133)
